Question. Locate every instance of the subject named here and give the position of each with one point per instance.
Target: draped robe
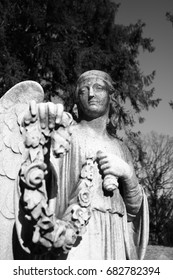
(119, 223)
(118, 228)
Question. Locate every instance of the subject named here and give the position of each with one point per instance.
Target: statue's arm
(137, 211)
(121, 167)
(132, 191)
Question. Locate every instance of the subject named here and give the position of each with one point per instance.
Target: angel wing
(12, 107)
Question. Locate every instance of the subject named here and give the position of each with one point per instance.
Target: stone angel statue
(68, 189)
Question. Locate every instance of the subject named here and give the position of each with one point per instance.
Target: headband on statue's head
(95, 74)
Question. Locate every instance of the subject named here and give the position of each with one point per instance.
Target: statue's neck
(95, 127)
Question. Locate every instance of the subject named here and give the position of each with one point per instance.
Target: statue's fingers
(33, 110)
(67, 119)
(103, 160)
(43, 114)
(59, 113)
(51, 114)
(104, 166)
(27, 119)
(107, 171)
(101, 155)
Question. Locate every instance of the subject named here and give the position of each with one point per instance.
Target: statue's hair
(96, 74)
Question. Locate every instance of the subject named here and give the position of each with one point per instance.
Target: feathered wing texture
(13, 105)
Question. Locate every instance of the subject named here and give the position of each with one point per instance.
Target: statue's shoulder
(124, 150)
(117, 141)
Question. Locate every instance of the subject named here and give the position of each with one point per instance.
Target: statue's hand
(48, 114)
(48, 124)
(114, 165)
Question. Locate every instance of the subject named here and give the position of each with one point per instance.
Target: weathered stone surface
(68, 198)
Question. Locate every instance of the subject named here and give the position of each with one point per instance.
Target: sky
(158, 28)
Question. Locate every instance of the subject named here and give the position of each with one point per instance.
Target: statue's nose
(91, 92)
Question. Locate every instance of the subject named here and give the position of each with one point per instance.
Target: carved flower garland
(49, 232)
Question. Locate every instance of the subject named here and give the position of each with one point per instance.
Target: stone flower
(80, 216)
(84, 197)
(87, 169)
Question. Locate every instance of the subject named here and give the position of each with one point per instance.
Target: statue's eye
(98, 87)
(83, 90)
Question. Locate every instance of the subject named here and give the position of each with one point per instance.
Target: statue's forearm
(132, 193)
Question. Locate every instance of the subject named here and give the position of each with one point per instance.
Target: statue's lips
(93, 102)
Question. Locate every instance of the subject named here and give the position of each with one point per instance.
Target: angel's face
(93, 97)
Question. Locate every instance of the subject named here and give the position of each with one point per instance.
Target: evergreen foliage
(53, 42)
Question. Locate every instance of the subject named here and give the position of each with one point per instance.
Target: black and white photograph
(86, 137)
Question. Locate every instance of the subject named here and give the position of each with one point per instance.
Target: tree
(53, 42)
(154, 162)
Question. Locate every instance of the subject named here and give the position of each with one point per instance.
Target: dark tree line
(53, 42)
